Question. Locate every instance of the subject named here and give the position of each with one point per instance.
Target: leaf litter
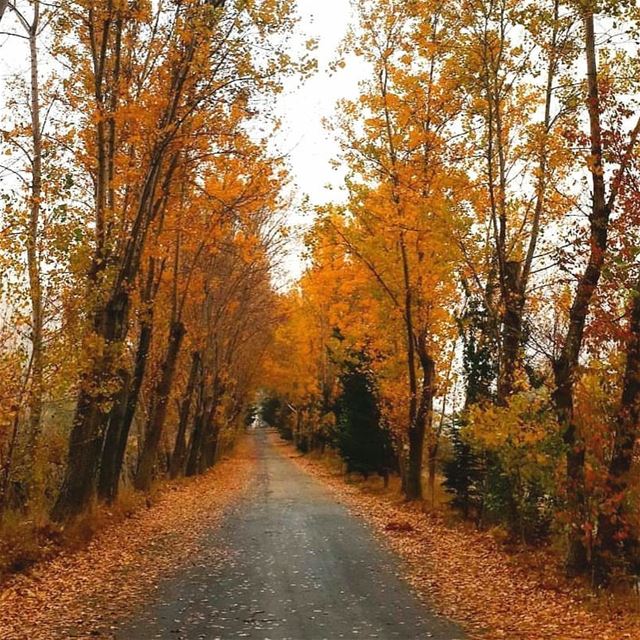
(85, 593)
(470, 577)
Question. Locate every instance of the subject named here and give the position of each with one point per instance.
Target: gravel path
(298, 566)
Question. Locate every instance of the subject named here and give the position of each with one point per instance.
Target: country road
(297, 565)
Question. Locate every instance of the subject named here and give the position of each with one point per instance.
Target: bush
(503, 465)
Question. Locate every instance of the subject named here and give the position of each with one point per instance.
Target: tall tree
(566, 365)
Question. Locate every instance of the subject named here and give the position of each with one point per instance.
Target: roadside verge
(467, 576)
(82, 594)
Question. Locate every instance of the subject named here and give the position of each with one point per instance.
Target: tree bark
(418, 429)
(109, 477)
(178, 458)
(212, 429)
(413, 483)
(158, 414)
(195, 442)
(511, 329)
(566, 365)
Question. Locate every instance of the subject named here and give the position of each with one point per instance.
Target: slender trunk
(511, 330)
(210, 445)
(431, 464)
(178, 458)
(33, 258)
(514, 275)
(195, 441)
(212, 430)
(614, 537)
(418, 431)
(565, 367)
(413, 483)
(158, 414)
(120, 422)
(13, 440)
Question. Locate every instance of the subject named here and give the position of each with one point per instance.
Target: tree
(152, 84)
(405, 196)
(362, 440)
(504, 49)
(566, 365)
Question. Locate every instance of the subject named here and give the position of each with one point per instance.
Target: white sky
(303, 106)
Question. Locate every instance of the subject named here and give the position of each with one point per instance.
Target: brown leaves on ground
(471, 578)
(82, 594)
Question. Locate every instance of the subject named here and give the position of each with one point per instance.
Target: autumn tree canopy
(482, 261)
(471, 299)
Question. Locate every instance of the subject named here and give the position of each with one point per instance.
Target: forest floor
(470, 576)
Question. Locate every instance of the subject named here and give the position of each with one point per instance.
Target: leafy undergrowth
(80, 594)
(470, 577)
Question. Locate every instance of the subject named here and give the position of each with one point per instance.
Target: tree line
(484, 262)
(142, 221)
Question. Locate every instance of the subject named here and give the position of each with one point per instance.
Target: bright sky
(303, 106)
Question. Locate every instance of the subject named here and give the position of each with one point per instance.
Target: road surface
(297, 565)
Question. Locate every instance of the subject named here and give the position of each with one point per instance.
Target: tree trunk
(158, 414)
(431, 464)
(90, 419)
(195, 442)
(566, 366)
(36, 391)
(418, 429)
(511, 330)
(614, 536)
(413, 485)
(210, 440)
(120, 423)
(109, 477)
(178, 458)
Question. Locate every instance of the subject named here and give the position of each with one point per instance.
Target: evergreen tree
(363, 441)
(464, 476)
